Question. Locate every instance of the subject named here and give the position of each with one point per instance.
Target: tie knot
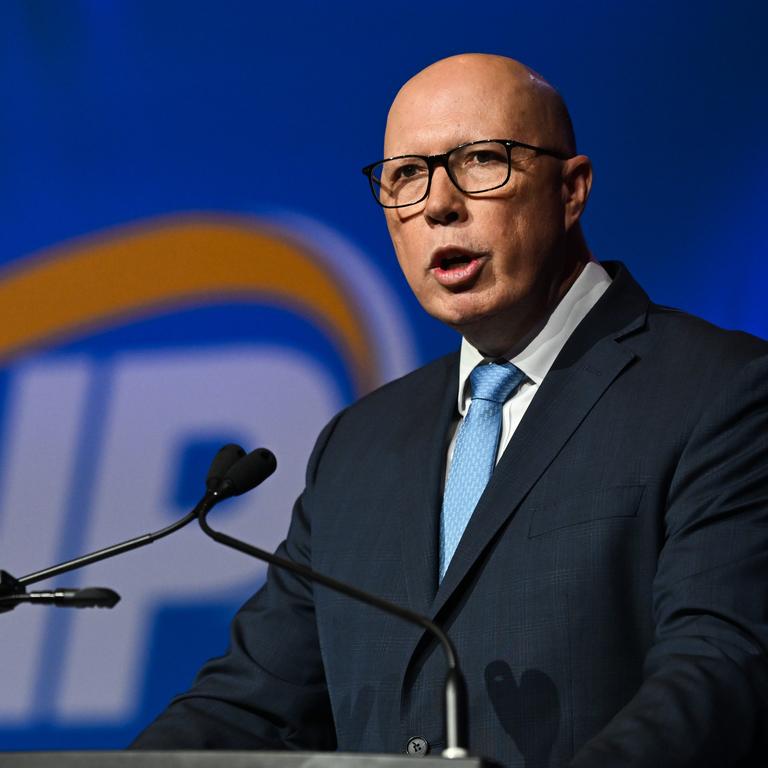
(495, 381)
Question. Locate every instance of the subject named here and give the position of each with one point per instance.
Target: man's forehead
(454, 104)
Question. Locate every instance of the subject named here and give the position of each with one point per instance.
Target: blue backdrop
(190, 255)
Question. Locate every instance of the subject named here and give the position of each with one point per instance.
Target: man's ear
(577, 182)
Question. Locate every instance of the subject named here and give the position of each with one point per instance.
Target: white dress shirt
(537, 356)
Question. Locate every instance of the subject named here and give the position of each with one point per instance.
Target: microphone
(89, 597)
(222, 462)
(252, 470)
(225, 459)
(246, 473)
(12, 593)
(243, 475)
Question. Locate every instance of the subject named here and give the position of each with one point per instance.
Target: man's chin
(464, 320)
(492, 330)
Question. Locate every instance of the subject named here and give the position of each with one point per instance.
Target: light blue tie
(474, 454)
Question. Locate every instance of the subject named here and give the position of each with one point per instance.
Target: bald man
(579, 496)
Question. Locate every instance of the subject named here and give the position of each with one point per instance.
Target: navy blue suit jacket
(609, 599)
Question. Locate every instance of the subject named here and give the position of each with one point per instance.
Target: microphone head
(222, 462)
(250, 471)
(93, 597)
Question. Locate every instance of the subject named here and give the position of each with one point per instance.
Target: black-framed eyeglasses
(475, 167)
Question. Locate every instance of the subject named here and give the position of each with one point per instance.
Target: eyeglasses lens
(402, 181)
(479, 167)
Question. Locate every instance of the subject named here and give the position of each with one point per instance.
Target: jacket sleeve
(268, 691)
(703, 699)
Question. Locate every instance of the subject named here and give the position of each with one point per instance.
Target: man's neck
(506, 334)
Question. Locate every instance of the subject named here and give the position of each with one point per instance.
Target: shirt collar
(537, 355)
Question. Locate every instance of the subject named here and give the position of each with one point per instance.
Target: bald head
(533, 109)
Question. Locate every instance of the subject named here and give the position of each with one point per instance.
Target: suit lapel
(423, 464)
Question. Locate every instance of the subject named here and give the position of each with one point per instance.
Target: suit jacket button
(417, 746)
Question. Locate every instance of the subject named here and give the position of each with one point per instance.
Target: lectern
(216, 759)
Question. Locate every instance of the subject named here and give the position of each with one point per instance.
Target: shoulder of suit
(429, 378)
(694, 336)
(395, 406)
(407, 396)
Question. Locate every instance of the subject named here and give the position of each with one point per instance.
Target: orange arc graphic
(66, 291)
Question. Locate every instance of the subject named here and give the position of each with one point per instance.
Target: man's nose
(445, 204)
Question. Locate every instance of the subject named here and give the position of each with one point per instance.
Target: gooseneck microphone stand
(13, 591)
(254, 469)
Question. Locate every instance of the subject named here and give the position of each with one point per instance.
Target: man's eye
(485, 157)
(407, 172)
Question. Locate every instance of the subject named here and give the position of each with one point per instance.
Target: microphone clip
(10, 592)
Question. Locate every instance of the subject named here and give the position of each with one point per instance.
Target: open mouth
(456, 267)
(454, 261)
(449, 258)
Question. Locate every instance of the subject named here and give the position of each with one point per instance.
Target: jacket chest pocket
(617, 501)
